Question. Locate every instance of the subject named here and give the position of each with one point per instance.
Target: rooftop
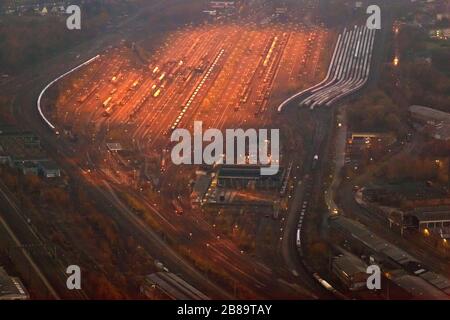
(7, 130)
(442, 132)
(20, 145)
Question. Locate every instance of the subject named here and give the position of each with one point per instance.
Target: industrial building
(365, 242)
(222, 4)
(172, 286)
(433, 219)
(390, 257)
(17, 147)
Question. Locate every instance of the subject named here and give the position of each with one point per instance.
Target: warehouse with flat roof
(435, 219)
(434, 122)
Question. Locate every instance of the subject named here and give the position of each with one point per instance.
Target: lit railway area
(223, 75)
